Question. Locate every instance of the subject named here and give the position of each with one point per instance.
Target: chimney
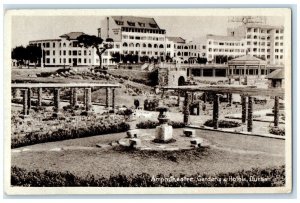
(99, 32)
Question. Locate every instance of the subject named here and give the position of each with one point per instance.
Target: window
(281, 37)
(131, 23)
(64, 52)
(53, 60)
(137, 37)
(137, 45)
(84, 60)
(79, 52)
(276, 43)
(131, 45)
(168, 45)
(255, 30)
(125, 44)
(53, 44)
(60, 52)
(153, 25)
(281, 31)
(161, 46)
(203, 47)
(84, 52)
(119, 22)
(249, 30)
(125, 36)
(48, 53)
(48, 60)
(131, 37)
(53, 52)
(149, 45)
(70, 52)
(74, 53)
(155, 46)
(70, 61)
(79, 60)
(142, 24)
(277, 31)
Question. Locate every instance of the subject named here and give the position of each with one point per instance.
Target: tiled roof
(136, 22)
(276, 74)
(247, 58)
(176, 39)
(223, 38)
(72, 35)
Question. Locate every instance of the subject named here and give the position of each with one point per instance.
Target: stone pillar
(74, 97)
(88, 99)
(107, 98)
(56, 100)
(250, 114)
(216, 111)
(25, 111)
(29, 99)
(71, 96)
(244, 108)
(204, 97)
(276, 111)
(230, 98)
(214, 72)
(178, 98)
(186, 110)
(201, 72)
(113, 98)
(39, 101)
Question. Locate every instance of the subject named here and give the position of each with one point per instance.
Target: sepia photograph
(148, 101)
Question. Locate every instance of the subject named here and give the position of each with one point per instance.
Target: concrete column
(74, 97)
(107, 97)
(56, 100)
(276, 111)
(29, 99)
(244, 108)
(71, 96)
(230, 98)
(39, 101)
(250, 114)
(88, 99)
(216, 111)
(25, 102)
(245, 70)
(259, 71)
(178, 98)
(204, 97)
(113, 98)
(186, 110)
(214, 72)
(201, 72)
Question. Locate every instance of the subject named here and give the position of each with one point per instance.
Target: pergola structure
(245, 92)
(26, 89)
(247, 65)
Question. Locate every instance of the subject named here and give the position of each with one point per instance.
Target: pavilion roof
(247, 59)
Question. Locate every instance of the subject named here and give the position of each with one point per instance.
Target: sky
(26, 28)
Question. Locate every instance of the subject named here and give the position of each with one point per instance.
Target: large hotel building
(144, 37)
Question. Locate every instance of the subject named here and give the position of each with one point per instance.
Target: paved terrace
(26, 89)
(245, 92)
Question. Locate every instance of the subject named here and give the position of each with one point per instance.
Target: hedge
(32, 138)
(277, 131)
(223, 124)
(272, 177)
(153, 124)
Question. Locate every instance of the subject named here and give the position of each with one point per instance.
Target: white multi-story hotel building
(65, 51)
(259, 40)
(134, 35)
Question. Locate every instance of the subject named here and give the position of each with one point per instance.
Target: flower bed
(269, 177)
(223, 124)
(153, 124)
(69, 132)
(277, 131)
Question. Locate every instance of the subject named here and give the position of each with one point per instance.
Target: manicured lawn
(227, 153)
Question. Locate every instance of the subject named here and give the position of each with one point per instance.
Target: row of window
(264, 30)
(156, 53)
(71, 52)
(64, 60)
(142, 30)
(226, 43)
(143, 38)
(125, 44)
(226, 50)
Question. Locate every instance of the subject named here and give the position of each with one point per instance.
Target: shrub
(277, 131)
(68, 133)
(153, 124)
(273, 177)
(223, 124)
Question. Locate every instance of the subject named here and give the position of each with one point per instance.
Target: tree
(19, 53)
(97, 43)
(34, 54)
